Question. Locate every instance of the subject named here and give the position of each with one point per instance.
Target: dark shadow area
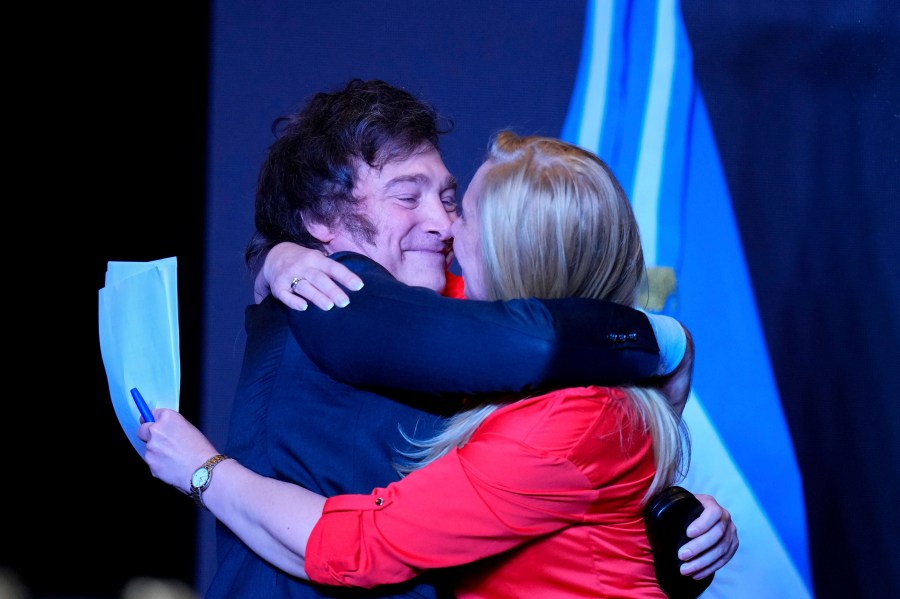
(117, 167)
(804, 102)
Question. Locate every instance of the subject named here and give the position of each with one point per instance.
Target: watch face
(200, 478)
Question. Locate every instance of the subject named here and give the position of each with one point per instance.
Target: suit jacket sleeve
(400, 337)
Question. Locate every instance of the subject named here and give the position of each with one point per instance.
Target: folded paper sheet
(138, 314)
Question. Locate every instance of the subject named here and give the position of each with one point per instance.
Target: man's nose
(438, 220)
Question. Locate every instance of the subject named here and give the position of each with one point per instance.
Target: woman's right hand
(298, 276)
(175, 447)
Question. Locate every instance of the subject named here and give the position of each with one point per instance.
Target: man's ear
(321, 232)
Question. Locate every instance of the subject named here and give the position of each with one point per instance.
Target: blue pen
(142, 406)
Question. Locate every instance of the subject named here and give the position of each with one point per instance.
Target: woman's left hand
(714, 540)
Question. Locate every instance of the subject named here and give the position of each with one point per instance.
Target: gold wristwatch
(201, 477)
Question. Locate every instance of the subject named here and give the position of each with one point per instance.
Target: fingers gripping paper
(138, 317)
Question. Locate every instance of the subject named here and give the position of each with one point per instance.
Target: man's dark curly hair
(310, 170)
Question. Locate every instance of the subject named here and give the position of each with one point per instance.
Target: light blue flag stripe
(682, 100)
(645, 188)
(631, 61)
(655, 135)
(584, 121)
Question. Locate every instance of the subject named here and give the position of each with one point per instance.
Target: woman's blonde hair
(556, 223)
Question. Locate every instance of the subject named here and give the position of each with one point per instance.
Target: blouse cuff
(671, 339)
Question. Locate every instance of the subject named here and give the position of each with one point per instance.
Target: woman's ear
(321, 232)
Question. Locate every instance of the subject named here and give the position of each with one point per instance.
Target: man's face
(412, 204)
(466, 232)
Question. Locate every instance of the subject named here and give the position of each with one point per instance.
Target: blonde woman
(538, 495)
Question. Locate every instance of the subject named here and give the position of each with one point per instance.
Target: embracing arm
(272, 517)
(409, 526)
(277, 519)
(396, 336)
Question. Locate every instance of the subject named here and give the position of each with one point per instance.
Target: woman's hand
(714, 540)
(175, 448)
(297, 275)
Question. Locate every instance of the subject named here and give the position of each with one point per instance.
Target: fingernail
(304, 307)
(357, 286)
(343, 303)
(684, 555)
(329, 306)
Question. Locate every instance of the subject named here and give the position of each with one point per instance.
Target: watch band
(208, 465)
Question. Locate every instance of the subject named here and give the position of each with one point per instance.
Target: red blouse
(545, 498)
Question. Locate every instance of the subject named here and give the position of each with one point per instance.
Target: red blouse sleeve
(469, 504)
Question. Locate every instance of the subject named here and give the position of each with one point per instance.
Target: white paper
(139, 342)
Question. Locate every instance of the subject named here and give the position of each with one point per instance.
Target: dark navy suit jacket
(324, 399)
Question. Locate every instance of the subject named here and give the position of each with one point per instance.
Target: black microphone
(667, 516)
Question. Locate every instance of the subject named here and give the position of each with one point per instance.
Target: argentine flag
(637, 106)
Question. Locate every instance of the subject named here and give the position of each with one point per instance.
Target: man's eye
(450, 204)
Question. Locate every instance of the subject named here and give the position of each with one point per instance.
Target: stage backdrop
(731, 136)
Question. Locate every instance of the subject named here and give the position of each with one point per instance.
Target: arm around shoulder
(396, 336)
